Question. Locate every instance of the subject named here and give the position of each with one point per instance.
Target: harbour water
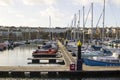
(113, 78)
(18, 56)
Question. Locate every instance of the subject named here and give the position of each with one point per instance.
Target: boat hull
(39, 53)
(99, 63)
(44, 55)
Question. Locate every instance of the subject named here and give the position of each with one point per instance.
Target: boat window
(102, 60)
(46, 46)
(119, 56)
(108, 60)
(115, 60)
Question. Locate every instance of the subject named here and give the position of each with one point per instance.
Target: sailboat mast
(71, 29)
(74, 26)
(8, 34)
(83, 27)
(78, 36)
(92, 21)
(103, 21)
(50, 27)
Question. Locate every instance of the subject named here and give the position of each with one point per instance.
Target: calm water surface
(60, 78)
(18, 56)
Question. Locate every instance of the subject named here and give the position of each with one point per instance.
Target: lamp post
(79, 60)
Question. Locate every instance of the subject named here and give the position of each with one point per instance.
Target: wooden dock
(101, 68)
(33, 68)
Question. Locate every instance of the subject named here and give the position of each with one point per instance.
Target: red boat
(46, 50)
(42, 51)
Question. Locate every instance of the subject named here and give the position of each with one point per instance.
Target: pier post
(52, 61)
(35, 61)
(79, 60)
(4, 74)
(53, 74)
(17, 74)
(35, 74)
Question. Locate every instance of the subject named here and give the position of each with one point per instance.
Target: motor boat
(46, 49)
(113, 60)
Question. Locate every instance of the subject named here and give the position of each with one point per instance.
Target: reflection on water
(59, 79)
(18, 56)
(99, 79)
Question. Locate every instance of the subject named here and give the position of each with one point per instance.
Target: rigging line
(87, 15)
(102, 14)
(99, 19)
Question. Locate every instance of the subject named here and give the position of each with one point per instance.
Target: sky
(35, 13)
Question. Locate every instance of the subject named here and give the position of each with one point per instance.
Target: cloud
(58, 18)
(81, 2)
(19, 15)
(116, 2)
(53, 12)
(87, 2)
(34, 2)
(6, 2)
